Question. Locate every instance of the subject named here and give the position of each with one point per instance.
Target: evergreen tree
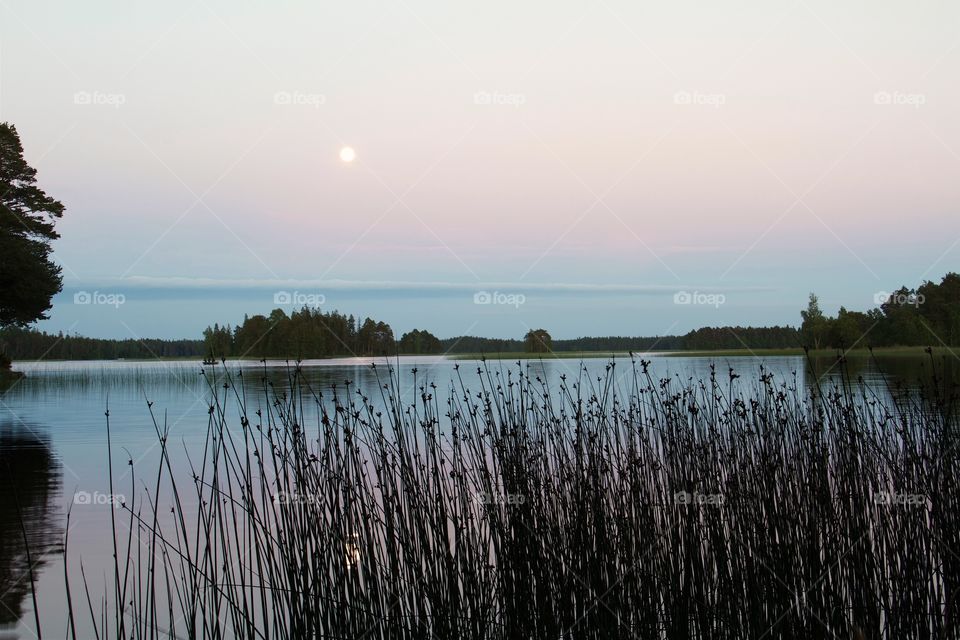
(419, 342)
(538, 341)
(28, 277)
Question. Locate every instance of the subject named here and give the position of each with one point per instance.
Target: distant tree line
(315, 335)
(707, 338)
(619, 343)
(710, 338)
(30, 344)
(926, 315)
(474, 344)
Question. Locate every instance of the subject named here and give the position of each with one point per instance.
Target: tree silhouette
(538, 341)
(419, 342)
(28, 277)
(814, 327)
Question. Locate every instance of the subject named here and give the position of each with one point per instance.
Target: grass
(507, 506)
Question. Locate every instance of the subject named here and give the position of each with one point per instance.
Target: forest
(29, 344)
(928, 315)
(308, 333)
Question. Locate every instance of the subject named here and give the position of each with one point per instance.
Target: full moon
(347, 154)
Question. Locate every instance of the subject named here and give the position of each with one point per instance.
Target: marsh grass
(508, 506)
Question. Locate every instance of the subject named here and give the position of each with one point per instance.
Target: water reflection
(887, 372)
(30, 480)
(183, 384)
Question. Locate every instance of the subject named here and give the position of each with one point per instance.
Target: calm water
(53, 454)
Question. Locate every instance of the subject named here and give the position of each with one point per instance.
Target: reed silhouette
(506, 506)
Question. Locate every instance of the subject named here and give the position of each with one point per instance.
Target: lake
(53, 440)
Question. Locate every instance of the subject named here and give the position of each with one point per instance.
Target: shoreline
(555, 355)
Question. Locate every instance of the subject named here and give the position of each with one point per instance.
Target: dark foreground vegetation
(621, 506)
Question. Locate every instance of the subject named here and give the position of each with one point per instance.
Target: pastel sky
(593, 158)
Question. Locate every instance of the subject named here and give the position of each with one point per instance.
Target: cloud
(186, 284)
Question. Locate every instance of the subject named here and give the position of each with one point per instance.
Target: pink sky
(788, 146)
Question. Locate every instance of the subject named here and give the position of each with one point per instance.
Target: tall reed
(512, 506)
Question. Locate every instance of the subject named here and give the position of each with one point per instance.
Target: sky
(593, 168)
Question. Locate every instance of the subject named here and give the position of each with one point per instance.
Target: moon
(347, 154)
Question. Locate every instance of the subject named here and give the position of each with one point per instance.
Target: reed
(510, 506)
